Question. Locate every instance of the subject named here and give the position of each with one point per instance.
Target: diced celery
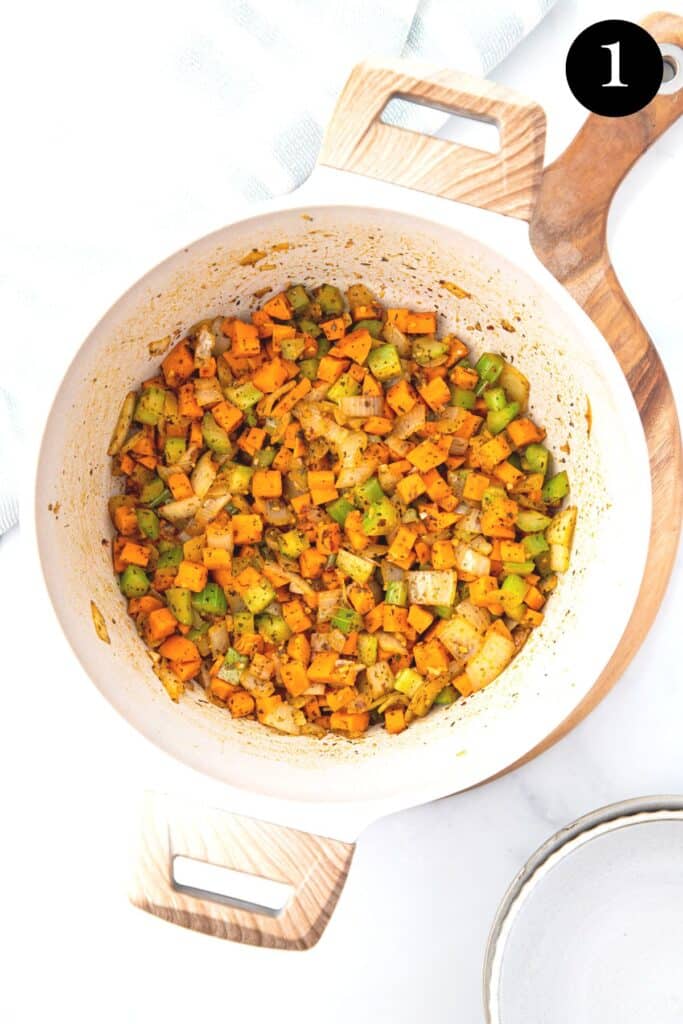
(542, 563)
(215, 437)
(429, 351)
(495, 399)
(519, 568)
(330, 299)
(346, 619)
(489, 367)
(397, 593)
(500, 418)
(359, 569)
(292, 348)
(133, 581)
(210, 600)
(324, 347)
(238, 478)
(174, 448)
(368, 493)
(273, 628)
(309, 368)
(443, 611)
(446, 696)
(557, 488)
(179, 600)
(259, 596)
(307, 326)
(367, 648)
(153, 491)
(561, 529)
(148, 523)
(292, 543)
(384, 362)
(373, 327)
(536, 459)
(339, 510)
(534, 544)
(244, 395)
(463, 399)
(243, 622)
(514, 588)
(264, 457)
(171, 557)
(344, 387)
(150, 406)
(298, 298)
(408, 681)
(531, 521)
(380, 518)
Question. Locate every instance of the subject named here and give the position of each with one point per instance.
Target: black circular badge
(614, 68)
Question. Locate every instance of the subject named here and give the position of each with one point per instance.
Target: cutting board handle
(314, 868)
(358, 140)
(568, 231)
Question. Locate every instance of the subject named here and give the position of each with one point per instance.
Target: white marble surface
(407, 939)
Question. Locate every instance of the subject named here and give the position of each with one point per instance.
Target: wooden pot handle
(314, 867)
(357, 140)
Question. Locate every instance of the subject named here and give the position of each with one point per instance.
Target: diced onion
(356, 475)
(176, 511)
(470, 561)
(431, 587)
(409, 422)
(207, 391)
(219, 638)
(203, 475)
(362, 405)
(328, 602)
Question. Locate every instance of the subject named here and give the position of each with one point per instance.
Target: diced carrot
(187, 403)
(271, 376)
(160, 624)
(295, 616)
(126, 464)
(264, 324)
(356, 721)
(368, 312)
(192, 575)
(429, 454)
(419, 618)
(247, 529)
(216, 558)
(402, 543)
(134, 554)
(279, 307)
(534, 598)
(208, 369)
(252, 441)
(394, 720)
(245, 339)
(295, 678)
(321, 486)
(330, 369)
(353, 527)
(430, 657)
(144, 605)
(355, 345)
(334, 328)
(240, 704)
(375, 618)
(361, 598)
(465, 378)
(475, 485)
(179, 648)
(180, 486)
(443, 554)
(125, 520)
(323, 667)
(178, 365)
(282, 332)
(290, 400)
(394, 618)
(311, 563)
(401, 397)
(227, 416)
(299, 649)
(378, 425)
(507, 473)
(410, 488)
(522, 432)
(435, 393)
(266, 483)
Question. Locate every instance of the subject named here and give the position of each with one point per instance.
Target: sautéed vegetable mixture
(334, 515)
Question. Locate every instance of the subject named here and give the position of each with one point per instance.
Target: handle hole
(441, 122)
(672, 74)
(224, 885)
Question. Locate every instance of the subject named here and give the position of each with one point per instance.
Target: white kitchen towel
(9, 449)
(275, 67)
(309, 47)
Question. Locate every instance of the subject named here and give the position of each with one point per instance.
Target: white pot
(343, 228)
